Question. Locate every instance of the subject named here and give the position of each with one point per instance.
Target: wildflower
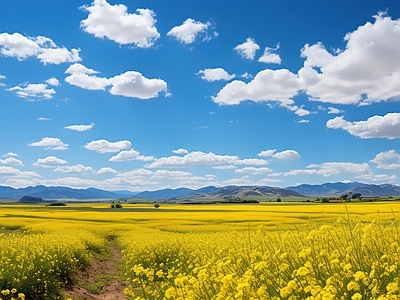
(392, 287)
(356, 296)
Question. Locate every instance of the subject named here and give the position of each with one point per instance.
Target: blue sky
(145, 95)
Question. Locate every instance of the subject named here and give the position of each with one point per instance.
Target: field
(222, 251)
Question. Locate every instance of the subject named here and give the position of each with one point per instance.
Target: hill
(212, 192)
(340, 188)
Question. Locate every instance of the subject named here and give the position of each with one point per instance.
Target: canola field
(225, 251)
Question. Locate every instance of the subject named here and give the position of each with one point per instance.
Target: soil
(99, 281)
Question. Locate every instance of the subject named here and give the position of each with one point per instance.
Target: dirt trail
(100, 281)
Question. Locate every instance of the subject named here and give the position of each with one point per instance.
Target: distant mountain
(209, 192)
(56, 192)
(165, 193)
(212, 192)
(340, 188)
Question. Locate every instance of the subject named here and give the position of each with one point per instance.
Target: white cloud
(74, 169)
(253, 170)
(304, 121)
(189, 30)
(301, 112)
(247, 49)
(252, 162)
(10, 154)
(367, 70)
(387, 126)
(50, 143)
(80, 127)
(169, 174)
(136, 173)
(34, 90)
(104, 146)
(195, 158)
(180, 151)
(384, 177)
(269, 57)
(43, 48)
(125, 155)
(49, 162)
(13, 172)
(134, 84)
(268, 85)
(53, 81)
(228, 167)
(83, 77)
(267, 153)
(329, 168)
(106, 170)
(387, 160)
(11, 161)
(43, 119)
(215, 74)
(115, 23)
(333, 110)
(129, 84)
(287, 155)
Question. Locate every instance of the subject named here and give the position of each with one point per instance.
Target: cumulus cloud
(387, 160)
(106, 170)
(80, 127)
(253, 170)
(129, 84)
(215, 74)
(73, 169)
(52, 81)
(104, 146)
(49, 162)
(387, 126)
(180, 151)
(50, 143)
(247, 49)
(195, 158)
(11, 161)
(84, 78)
(267, 153)
(269, 57)
(117, 24)
(286, 155)
(125, 155)
(10, 154)
(330, 168)
(333, 110)
(367, 70)
(252, 162)
(189, 30)
(268, 85)
(43, 48)
(134, 84)
(13, 172)
(33, 90)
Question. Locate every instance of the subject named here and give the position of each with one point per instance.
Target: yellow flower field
(232, 251)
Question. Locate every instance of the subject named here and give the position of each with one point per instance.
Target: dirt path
(100, 281)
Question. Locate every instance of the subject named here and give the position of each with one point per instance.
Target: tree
(344, 196)
(156, 205)
(278, 199)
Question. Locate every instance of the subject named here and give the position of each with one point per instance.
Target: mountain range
(210, 192)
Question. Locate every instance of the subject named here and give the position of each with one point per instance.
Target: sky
(146, 95)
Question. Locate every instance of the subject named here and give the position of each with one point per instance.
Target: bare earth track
(99, 281)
